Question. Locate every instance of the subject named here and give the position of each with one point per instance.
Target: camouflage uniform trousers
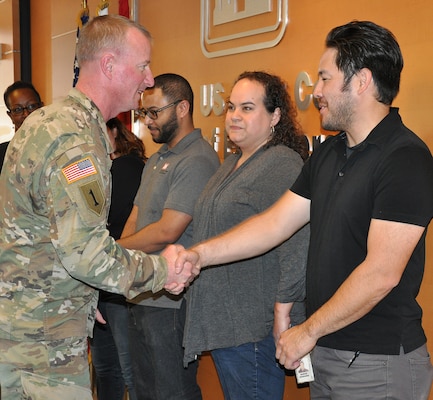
(49, 370)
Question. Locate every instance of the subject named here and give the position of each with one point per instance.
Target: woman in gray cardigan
(237, 310)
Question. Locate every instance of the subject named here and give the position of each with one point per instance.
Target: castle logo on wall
(237, 26)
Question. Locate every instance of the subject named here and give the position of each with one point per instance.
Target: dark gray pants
(371, 376)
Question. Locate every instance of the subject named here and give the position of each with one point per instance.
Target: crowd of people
(270, 257)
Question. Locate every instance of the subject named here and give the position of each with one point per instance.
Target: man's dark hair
(363, 44)
(175, 87)
(19, 85)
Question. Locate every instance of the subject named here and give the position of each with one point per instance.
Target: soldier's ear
(106, 64)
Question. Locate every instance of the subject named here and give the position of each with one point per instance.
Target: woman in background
(110, 344)
(230, 307)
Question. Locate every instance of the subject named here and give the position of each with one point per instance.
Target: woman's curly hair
(287, 131)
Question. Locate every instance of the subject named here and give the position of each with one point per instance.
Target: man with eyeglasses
(21, 99)
(172, 181)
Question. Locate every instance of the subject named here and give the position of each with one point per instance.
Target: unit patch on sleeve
(79, 170)
(92, 193)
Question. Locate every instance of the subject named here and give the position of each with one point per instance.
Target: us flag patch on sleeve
(79, 170)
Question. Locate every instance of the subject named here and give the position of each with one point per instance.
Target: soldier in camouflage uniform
(54, 200)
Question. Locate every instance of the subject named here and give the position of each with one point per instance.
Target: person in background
(172, 180)
(368, 195)
(55, 249)
(110, 344)
(230, 308)
(21, 98)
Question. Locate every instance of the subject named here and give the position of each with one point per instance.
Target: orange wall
(176, 30)
(175, 26)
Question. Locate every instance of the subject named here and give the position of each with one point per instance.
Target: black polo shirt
(388, 176)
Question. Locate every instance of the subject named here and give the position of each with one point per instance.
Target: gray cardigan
(232, 304)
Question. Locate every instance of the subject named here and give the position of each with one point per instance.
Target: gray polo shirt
(174, 178)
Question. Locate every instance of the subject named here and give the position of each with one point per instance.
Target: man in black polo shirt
(368, 194)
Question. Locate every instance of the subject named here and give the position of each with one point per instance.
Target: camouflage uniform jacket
(54, 246)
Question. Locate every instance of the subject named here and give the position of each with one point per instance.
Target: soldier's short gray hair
(106, 32)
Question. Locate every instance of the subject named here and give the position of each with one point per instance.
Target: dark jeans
(156, 336)
(110, 352)
(250, 371)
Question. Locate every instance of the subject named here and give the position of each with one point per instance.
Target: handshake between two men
(183, 267)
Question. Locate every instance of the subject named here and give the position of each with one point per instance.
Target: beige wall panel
(6, 63)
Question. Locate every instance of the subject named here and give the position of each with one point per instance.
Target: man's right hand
(189, 256)
(181, 272)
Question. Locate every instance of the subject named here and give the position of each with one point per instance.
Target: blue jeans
(110, 352)
(250, 371)
(372, 376)
(156, 336)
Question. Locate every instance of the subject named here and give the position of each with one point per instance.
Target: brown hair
(126, 141)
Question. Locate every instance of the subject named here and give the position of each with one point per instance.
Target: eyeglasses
(30, 108)
(153, 113)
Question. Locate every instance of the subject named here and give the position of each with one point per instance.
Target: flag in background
(124, 8)
(102, 8)
(82, 19)
(125, 117)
